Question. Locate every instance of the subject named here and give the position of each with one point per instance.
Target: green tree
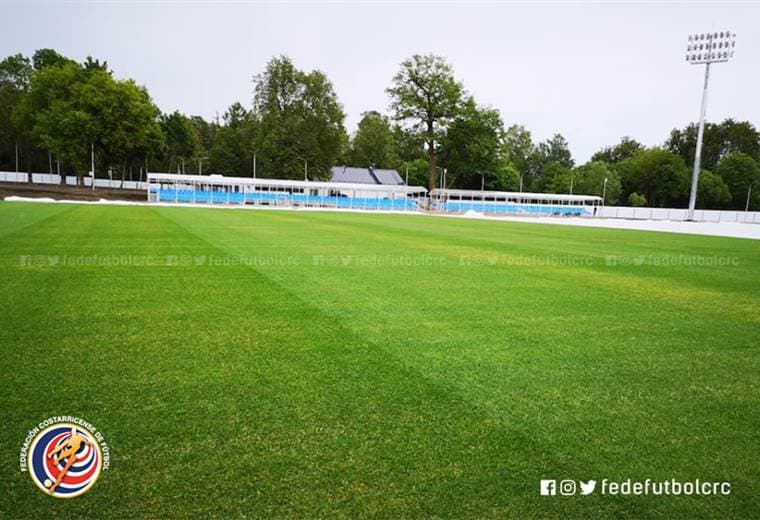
(123, 118)
(472, 147)
(298, 118)
(718, 141)
(739, 171)
(68, 109)
(425, 96)
(713, 192)
(625, 149)
(373, 144)
(659, 175)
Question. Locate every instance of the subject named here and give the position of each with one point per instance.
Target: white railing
(700, 215)
(47, 178)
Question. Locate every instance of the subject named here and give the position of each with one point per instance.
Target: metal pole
(254, 166)
(604, 191)
(92, 164)
(305, 170)
(749, 193)
(407, 176)
(698, 153)
(16, 156)
(521, 183)
(571, 184)
(482, 182)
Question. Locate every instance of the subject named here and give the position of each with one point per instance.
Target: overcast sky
(593, 72)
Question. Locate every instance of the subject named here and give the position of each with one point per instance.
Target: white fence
(47, 178)
(700, 215)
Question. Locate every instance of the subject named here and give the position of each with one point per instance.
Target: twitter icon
(587, 487)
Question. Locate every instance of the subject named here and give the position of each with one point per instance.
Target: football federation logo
(65, 460)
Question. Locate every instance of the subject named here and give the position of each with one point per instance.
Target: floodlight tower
(705, 49)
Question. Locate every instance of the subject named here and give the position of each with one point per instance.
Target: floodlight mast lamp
(705, 49)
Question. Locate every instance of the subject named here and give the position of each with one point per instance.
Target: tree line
(54, 110)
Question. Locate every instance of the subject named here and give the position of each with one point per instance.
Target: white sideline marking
(722, 229)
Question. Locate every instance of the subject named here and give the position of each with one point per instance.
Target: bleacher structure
(246, 191)
(242, 191)
(508, 202)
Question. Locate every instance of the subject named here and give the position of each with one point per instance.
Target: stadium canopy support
(509, 202)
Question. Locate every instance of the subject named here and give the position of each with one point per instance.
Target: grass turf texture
(324, 364)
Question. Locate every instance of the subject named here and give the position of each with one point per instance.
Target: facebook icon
(548, 487)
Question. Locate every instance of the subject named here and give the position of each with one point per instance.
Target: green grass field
(304, 364)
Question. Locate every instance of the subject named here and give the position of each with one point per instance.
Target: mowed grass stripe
(356, 390)
(273, 410)
(560, 356)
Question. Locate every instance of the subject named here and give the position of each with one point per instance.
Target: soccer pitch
(318, 364)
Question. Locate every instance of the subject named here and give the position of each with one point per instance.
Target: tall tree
(425, 95)
(123, 117)
(472, 148)
(69, 109)
(298, 119)
(373, 144)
